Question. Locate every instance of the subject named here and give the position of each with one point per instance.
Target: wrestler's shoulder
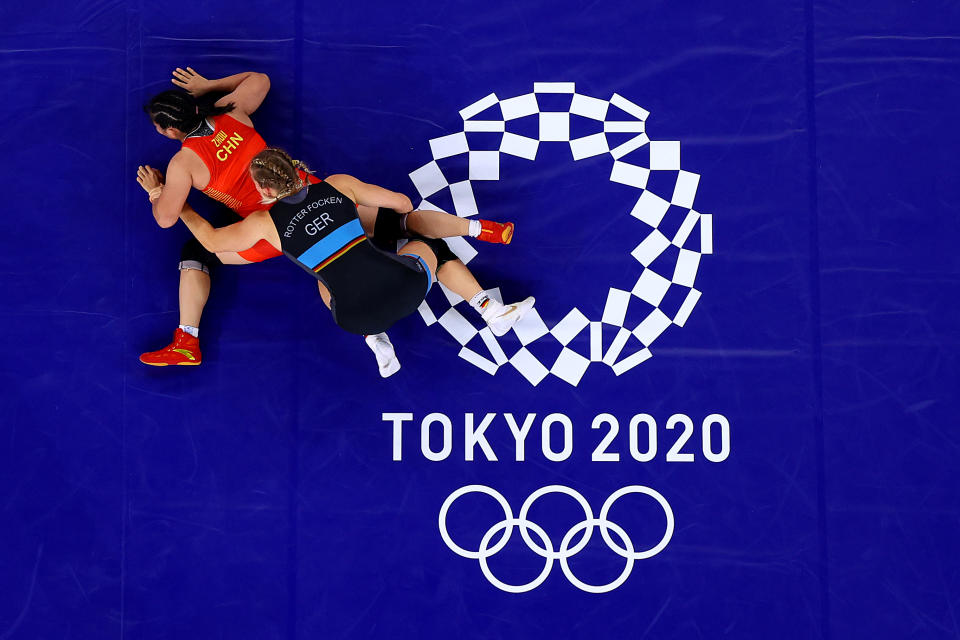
(186, 158)
(239, 116)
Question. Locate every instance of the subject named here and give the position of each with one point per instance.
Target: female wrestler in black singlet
(317, 227)
(366, 289)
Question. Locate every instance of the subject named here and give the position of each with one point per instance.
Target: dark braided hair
(178, 109)
(274, 168)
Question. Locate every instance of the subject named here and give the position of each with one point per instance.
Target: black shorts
(388, 230)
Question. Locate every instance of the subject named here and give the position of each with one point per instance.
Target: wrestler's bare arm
(370, 194)
(168, 196)
(247, 90)
(235, 237)
(176, 188)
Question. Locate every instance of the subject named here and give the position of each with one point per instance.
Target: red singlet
(227, 153)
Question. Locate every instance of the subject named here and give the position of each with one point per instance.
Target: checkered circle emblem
(642, 284)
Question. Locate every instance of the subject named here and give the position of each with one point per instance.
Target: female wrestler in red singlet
(217, 144)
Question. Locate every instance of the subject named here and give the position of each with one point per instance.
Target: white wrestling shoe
(386, 357)
(501, 319)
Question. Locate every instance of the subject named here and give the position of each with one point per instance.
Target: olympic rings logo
(545, 548)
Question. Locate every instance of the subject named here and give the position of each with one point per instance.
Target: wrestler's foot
(496, 232)
(184, 350)
(500, 318)
(386, 357)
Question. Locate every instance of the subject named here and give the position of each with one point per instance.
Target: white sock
(382, 348)
(194, 331)
(483, 303)
(475, 228)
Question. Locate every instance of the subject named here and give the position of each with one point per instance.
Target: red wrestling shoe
(496, 232)
(185, 350)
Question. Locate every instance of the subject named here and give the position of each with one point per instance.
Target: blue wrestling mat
(732, 413)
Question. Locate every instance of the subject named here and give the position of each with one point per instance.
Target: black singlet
(369, 289)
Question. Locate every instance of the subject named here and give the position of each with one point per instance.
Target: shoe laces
(182, 338)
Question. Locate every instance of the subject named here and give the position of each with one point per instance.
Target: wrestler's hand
(193, 82)
(149, 178)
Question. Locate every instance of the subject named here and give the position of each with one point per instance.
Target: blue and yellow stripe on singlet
(333, 246)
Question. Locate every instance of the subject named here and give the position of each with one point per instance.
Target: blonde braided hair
(274, 168)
